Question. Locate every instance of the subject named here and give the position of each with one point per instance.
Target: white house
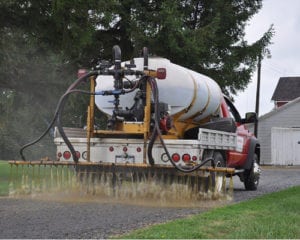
(279, 130)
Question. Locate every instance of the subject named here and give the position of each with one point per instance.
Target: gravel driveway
(26, 218)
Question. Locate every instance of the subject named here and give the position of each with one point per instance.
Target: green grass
(4, 177)
(276, 215)
(23, 176)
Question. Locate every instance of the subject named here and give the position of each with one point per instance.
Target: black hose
(150, 147)
(59, 125)
(57, 111)
(70, 90)
(156, 120)
(116, 52)
(61, 130)
(145, 54)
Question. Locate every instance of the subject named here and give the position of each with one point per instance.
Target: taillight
(59, 154)
(138, 149)
(111, 148)
(194, 158)
(186, 157)
(161, 73)
(67, 155)
(176, 157)
(125, 149)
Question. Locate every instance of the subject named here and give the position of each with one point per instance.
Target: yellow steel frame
(91, 117)
(121, 127)
(140, 128)
(131, 127)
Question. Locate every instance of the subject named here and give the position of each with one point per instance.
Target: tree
(42, 43)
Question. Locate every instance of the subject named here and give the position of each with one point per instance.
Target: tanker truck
(163, 120)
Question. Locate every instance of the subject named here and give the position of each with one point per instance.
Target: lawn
(25, 177)
(276, 215)
(4, 177)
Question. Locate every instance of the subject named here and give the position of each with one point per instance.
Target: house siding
(285, 146)
(287, 117)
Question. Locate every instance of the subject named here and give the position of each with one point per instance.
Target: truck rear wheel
(217, 177)
(251, 176)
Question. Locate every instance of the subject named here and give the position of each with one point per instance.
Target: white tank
(192, 93)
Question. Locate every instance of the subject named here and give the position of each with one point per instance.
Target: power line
(271, 65)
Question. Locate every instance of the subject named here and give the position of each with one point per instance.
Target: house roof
(276, 110)
(287, 89)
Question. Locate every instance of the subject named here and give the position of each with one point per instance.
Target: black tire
(217, 177)
(251, 176)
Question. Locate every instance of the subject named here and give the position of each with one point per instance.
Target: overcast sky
(285, 51)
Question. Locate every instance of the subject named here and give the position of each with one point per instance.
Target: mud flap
(251, 151)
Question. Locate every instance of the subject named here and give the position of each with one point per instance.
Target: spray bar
(119, 165)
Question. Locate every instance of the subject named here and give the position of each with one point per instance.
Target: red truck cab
(246, 157)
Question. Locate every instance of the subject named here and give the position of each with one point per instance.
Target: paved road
(272, 180)
(26, 218)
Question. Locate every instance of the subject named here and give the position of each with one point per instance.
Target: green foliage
(42, 43)
(206, 36)
(272, 216)
(30, 88)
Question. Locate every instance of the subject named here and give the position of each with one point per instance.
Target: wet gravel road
(25, 218)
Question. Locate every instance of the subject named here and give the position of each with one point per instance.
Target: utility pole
(257, 93)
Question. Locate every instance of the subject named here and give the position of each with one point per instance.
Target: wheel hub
(256, 171)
